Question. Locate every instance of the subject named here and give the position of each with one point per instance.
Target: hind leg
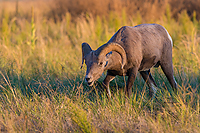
(168, 71)
(146, 75)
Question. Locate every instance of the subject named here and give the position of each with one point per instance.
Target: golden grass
(148, 9)
(42, 88)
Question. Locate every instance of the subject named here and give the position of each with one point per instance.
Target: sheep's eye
(101, 63)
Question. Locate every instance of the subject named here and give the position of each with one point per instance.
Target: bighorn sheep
(131, 49)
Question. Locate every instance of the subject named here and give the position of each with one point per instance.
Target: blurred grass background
(42, 85)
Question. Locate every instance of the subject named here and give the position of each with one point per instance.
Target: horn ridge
(106, 48)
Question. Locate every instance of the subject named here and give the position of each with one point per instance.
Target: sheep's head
(97, 60)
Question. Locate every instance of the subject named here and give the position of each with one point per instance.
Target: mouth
(90, 83)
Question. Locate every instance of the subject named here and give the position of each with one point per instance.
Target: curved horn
(106, 48)
(85, 50)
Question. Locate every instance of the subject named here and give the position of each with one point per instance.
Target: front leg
(106, 82)
(131, 78)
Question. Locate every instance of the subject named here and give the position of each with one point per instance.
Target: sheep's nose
(87, 79)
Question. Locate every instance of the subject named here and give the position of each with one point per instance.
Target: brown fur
(145, 45)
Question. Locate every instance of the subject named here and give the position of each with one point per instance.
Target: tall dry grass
(42, 87)
(148, 9)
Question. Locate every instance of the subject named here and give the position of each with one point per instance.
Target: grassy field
(42, 87)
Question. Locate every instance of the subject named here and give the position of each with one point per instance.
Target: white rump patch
(170, 38)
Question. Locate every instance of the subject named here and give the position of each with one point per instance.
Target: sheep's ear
(86, 49)
(108, 54)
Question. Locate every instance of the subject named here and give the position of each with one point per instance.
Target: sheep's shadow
(74, 85)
